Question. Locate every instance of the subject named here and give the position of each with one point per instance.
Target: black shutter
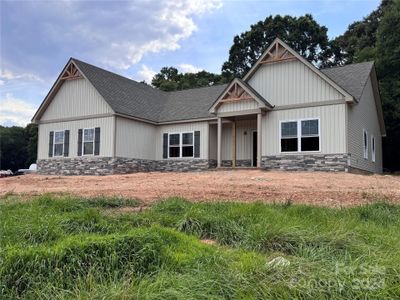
(79, 142)
(66, 142)
(165, 145)
(197, 144)
(51, 140)
(97, 141)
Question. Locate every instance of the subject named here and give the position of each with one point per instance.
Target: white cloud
(1, 82)
(146, 74)
(188, 68)
(15, 111)
(8, 75)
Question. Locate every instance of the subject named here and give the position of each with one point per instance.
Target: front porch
(239, 111)
(236, 141)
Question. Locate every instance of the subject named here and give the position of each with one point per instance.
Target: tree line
(374, 38)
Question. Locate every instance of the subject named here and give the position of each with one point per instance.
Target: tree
(31, 132)
(169, 79)
(303, 34)
(358, 43)
(13, 151)
(388, 69)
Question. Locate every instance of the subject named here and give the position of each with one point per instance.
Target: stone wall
(307, 162)
(119, 165)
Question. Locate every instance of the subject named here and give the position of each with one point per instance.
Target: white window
(300, 135)
(373, 148)
(88, 141)
(58, 148)
(365, 143)
(180, 145)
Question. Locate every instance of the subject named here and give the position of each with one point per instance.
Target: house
(284, 114)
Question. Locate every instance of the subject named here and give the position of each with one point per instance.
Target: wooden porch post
(219, 143)
(259, 135)
(233, 144)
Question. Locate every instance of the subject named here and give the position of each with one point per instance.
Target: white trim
(365, 147)
(373, 148)
(83, 141)
(181, 145)
(54, 143)
(299, 135)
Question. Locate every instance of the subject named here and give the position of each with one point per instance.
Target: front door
(254, 160)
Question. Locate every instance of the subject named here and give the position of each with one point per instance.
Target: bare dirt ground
(333, 189)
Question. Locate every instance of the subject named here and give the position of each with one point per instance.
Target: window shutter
(79, 142)
(66, 142)
(51, 140)
(165, 145)
(97, 141)
(197, 144)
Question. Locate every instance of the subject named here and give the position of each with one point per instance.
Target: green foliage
(48, 249)
(169, 79)
(18, 146)
(302, 33)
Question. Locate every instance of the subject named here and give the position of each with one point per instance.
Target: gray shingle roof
(352, 78)
(128, 97)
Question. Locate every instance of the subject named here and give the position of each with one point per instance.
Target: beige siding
(332, 127)
(135, 139)
(203, 127)
(106, 133)
(76, 98)
(238, 106)
(244, 129)
(290, 83)
(364, 116)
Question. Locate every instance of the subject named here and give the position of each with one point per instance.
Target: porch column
(259, 135)
(219, 143)
(233, 144)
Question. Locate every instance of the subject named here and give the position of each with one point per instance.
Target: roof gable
(238, 90)
(279, 51)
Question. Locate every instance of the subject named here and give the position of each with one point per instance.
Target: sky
(133, 38)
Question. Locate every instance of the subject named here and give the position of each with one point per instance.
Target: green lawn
(63, 247)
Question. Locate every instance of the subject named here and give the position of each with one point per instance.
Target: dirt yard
(333, 189)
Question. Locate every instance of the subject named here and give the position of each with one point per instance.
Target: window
(174, 145)
(310, 135)
(180, 144)
(289, 142)
(88, 141)
(58, 143)
(365, 143)
(373, 148)
(305, 139)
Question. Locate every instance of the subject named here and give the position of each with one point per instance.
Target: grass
(64, 247)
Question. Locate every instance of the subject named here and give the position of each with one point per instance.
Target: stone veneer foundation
(118, 165)
(307, 162)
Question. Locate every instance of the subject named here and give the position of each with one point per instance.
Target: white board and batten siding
(203, 127)
(135, 139)
(291, 82)
(76, 98)
(106, 125)
(237, 106)
(332, 127)
(364, 116)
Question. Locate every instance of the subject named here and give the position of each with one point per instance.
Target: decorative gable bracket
(71, 72)
(238, 91)
(277, 53)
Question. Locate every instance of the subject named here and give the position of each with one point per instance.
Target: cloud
(116, 34)
(14, 111)
(8, 75)
(188, 68)
(146, 74)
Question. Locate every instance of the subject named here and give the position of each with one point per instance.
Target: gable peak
(71, 72)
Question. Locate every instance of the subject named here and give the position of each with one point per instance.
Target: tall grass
(65, 247)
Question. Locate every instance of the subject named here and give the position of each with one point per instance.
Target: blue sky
(133, 38)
